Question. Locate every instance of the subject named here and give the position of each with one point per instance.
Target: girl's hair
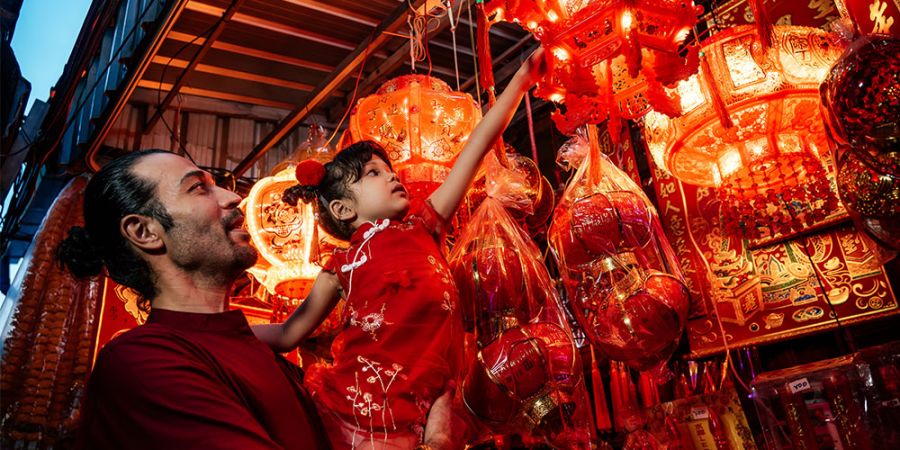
(345, 169)
(113, 193)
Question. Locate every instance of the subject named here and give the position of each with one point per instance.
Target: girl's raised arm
(446, 198)
(322, 298)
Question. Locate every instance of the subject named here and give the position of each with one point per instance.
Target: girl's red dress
(401, 340)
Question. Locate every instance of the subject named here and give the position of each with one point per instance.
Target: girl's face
(378, 193)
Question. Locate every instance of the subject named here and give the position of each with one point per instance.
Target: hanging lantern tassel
(647, 388)
(615, 389)
(601, 410)
(763, 24)
(632, 52)
(662, 102)
(715, 96)
(614, 123)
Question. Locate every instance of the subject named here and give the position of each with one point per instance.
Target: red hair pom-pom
(310, 172)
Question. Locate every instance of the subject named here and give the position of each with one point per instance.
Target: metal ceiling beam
(254, 52)
(449, 46)
(401, 57)
(230, 73)
(157, 86)
(394, 21)
(259, 22)
(335, 11)
(494, 30)
(132, 78)
(189, 68)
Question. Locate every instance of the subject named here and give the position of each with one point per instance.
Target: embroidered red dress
(402, 336)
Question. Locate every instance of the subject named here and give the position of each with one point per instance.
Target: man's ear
(143, 232)
(342, 210)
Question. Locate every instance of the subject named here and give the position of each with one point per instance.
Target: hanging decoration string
(453, 23)
(474, 54)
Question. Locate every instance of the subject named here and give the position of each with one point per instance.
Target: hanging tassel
(673, 434)
(534, 152)
(632, 50)
(618, 410)
(763, 23)
(663, 102)
(649, 394)
(486, 71)
(716, 96)
(614, 123)
(632, 389)
(601, 410)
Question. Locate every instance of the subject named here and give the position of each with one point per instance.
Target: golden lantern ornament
(608, 59)
(284, 236)
(422, 125)
(751, 128)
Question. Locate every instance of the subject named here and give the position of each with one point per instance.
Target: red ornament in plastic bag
(529, 371)
(869, 185)
(612, 253)
(493, 279)
(605, 222)
(862, 92)
(524, 380)
(637, 317)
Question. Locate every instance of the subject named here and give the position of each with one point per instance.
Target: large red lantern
(607, 58)
(284, 236)
(751, 128)
(421, 123)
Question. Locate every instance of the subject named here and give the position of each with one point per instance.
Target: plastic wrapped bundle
(527, 375)
(620, 272)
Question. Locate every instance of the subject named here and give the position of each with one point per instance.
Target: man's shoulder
(139, 347)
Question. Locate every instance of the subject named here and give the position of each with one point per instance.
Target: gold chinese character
(876, 15)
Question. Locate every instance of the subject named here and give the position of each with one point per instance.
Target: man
(193, 376)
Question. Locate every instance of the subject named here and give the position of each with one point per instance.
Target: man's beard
(194, 248)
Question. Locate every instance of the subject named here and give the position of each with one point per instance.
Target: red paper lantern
(607, 58)
(751, 128)
(284, 237)
(422, 125)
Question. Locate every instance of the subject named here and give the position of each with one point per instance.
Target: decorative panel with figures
(773, 292)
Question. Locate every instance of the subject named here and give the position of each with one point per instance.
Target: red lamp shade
(751, 127)
(422, 125)
(607, 58)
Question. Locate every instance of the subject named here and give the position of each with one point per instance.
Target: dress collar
(368, 229)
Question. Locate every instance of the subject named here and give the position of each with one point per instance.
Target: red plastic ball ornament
(637, 318)
(869, 185)
(862, 93)
(525, 376)
(610, 222)
(493, 279)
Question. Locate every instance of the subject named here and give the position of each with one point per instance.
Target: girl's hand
(533, 69)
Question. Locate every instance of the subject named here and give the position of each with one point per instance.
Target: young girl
(401, 340)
